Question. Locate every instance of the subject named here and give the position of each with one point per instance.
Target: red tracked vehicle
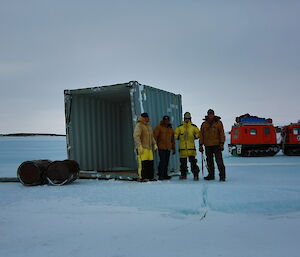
(253, 136)
(291, 139)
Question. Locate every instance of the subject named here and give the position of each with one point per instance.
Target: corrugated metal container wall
(157, 103)
(100, 123)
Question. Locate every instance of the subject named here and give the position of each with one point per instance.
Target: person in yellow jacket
(144, 141)
(187, 133)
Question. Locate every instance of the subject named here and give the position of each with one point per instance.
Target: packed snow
(256, 212)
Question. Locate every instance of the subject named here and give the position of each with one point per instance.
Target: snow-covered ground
(256, 212)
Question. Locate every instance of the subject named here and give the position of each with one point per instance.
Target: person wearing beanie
(164, 136)
(212, 136)
(187, 133)
(144, 141)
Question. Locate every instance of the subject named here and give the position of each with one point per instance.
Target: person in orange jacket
(164, 136)
(212, 136)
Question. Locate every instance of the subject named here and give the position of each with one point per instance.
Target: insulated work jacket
(143, 134)
(186, 133)
(212, 133)
(164, 137)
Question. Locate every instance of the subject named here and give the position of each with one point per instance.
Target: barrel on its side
(62, 172)
(32, 173)
(74, 169)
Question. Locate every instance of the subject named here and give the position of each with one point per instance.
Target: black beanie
(145, 115)
(210, 111)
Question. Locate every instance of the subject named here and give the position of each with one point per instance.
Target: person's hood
(142, 120)
(164, 125)
(216, 118)
(189, 123)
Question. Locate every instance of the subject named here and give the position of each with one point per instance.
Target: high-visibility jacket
(187, 133)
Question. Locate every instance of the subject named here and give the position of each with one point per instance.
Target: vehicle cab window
(267, 131)
(296, 131)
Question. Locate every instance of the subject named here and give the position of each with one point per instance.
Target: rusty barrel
(62, 172)
(32, 173)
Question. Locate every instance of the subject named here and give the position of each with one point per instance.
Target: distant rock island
(31, 134)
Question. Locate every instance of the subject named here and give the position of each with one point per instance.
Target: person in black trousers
(212, 136)
(164, 136)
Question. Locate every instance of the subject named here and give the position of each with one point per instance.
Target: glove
(140, 149)
(222, 147)
(201, 148)
(173, 151)
(155, 147)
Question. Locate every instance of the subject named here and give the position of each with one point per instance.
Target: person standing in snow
(144, 141)
(212, 136)
(164, 136)
(187, 133)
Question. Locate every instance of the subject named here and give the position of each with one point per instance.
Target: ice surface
(256, 212)
(15, 150)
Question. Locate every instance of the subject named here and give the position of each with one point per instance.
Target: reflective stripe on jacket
(187, 133)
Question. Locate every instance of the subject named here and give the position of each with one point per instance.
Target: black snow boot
(209, 177)
(182, 176)
(167, 177)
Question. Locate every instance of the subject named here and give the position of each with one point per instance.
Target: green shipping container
(100, 122)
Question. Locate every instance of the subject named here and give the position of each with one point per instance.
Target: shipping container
(100, 122)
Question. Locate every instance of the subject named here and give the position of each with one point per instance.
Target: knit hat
(145, 115)
(210, 111)
(187, 115)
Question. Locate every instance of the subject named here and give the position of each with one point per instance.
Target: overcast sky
(233, 56)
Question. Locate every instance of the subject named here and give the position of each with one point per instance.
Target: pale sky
(235, 57)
